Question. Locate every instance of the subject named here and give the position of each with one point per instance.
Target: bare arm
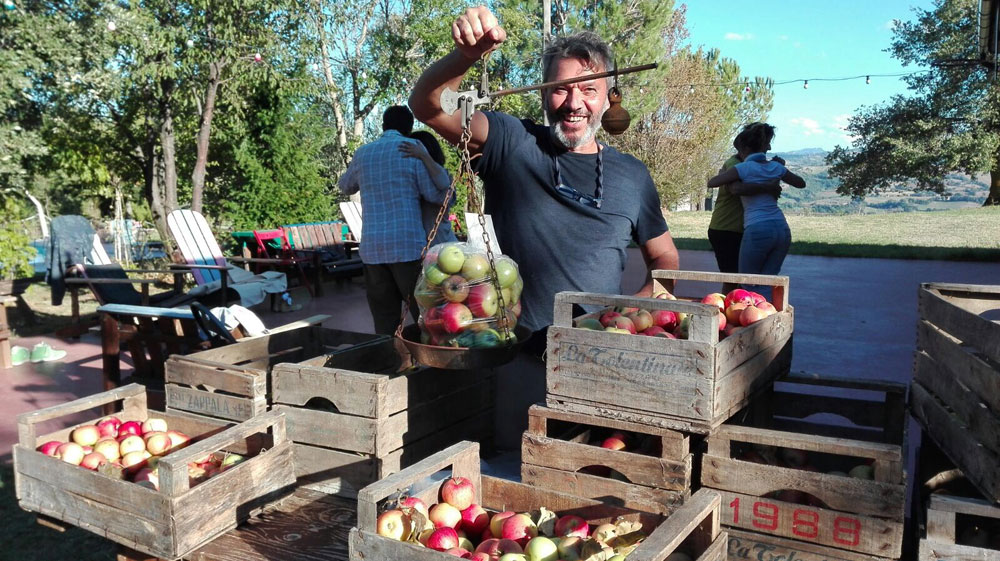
(728, 176)
(475, 33)
(438, 174)
(793, 180)
(741, 189)
(658, 253)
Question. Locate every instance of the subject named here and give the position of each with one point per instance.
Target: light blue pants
(763, 250)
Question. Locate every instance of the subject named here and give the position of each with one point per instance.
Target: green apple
(451, 259)
(513, 557)
(487, 338)
(426, 296)
(541, 549)
(434, 275)
(617, 330)
(476, 268)
(506, 272)
(590, 323)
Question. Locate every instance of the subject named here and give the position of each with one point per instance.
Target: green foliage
(950, 122)
(15, 245)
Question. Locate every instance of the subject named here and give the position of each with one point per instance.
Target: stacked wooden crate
(801, 482)
(232, 382)
(955, 393)
(958, 523)
(361, 414)
(664, 394)
(179, 516)
(692, 529)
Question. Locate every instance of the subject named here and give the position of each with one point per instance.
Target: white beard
(588, 134)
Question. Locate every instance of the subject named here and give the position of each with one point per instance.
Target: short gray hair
(585, 45)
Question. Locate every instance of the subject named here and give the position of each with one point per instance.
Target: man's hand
(477, 32)
(778, 159)
(413, 150)
(773, 189)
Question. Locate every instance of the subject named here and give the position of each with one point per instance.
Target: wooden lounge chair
(336, 255)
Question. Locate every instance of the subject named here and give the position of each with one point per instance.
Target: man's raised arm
(475, 32)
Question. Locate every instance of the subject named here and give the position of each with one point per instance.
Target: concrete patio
(854, 318)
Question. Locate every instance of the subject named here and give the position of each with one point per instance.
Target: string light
(691, 90)
(189, 43)
(868, 79)
(111, 25)
(805, 85)
(257, 57)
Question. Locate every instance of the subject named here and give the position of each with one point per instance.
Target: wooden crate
(693, 527)
(956, 377)
(751, 546)
(361, 414)
(558, 452)
(857, 516)
(689, 385)
(174, 520)
(231, 382)
(939, 543)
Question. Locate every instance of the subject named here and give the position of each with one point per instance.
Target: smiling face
(575, 110)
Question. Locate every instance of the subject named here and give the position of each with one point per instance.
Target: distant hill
(820, 194)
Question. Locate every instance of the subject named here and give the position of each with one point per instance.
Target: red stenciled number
(804, 523)
(736, 510)
(849, 527)
(770, 519)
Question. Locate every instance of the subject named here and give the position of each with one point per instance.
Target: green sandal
(42, 352)
(19, 355)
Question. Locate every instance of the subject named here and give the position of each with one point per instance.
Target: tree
(949, 122)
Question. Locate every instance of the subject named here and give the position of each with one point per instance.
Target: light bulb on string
(314, 67)
(692, 89)
(189, 43)
(868, 79)
(805, 85)
(257, 57)
(111, 25)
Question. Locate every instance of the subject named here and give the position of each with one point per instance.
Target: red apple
(767, 308)
(482, 300)
(458, 492)
(455, 288)
(70, 452)
(443, 515)
(93, 460)
(715, 299)
(665, 319)
(519, 528)
(131, 459)
(147, 478)
(613, 443)
(496, 547)
(459, 552)
(178, 439)
(109, 448)
(641, 319)
(607, 317)
(128, 428)
(416, 504)
(683, 327)
(49, 448)
(480, 557)
(154, 424)
(394, 524)
(757, 298)
(455, 317)
(793, 457)
(722, 320)
(442, 539)
(733, 312)
(86, 435)
(475, 519)
(623, 322)
(731, 329)
(131, 443)
(108, 427)
(739, 295)
(751, 315)
(653, 330)
(572, 525)
(496, 523)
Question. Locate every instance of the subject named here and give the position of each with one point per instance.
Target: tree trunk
(331, 87)
(994, 197)
(169, 150)
(204, 134)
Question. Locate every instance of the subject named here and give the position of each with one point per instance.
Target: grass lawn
(962, 235)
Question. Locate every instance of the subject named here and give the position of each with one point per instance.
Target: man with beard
(564, 206)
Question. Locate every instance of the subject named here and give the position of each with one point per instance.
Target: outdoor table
(144, 328)
(5, 359)
(305, 526)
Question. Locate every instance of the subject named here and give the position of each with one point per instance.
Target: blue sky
(808, 39)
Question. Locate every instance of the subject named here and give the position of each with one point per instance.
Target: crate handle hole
(604, 472)
(322, 404)
(795, 496)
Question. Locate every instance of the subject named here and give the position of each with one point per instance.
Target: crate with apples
(365, 412)
(691, 383)
(231, 382)
(955, 522)
(415, 515)
(956, 374)
(636, 466)
(817, 462)
(460, 305)
(209, 477)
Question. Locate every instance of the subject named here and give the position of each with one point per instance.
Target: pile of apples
(134, 448)
(801, 460)
(459, 527)
(738, 309)
(458, 299)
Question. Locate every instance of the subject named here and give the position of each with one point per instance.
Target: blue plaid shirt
(392, 187)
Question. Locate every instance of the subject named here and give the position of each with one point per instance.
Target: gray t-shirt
(558, 243)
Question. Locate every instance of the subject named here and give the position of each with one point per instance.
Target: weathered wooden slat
(673, 444)
(618, 493)
(977, 462)
(478, 428)
(332, 471)
(972, 413)
(812, 443)
(750, 341)
(752, 546)
(225, 378)
(961, 363)
(734, 389)
(950, 314)
(934, 551)
(965, 505)
(427, 384)
(213, 404)
(352, 393)
(867, 534)
(838, 492)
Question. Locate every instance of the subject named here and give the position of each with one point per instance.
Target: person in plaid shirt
(391, 187)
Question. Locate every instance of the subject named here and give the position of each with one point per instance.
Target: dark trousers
(726, 245)
(387, 285)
